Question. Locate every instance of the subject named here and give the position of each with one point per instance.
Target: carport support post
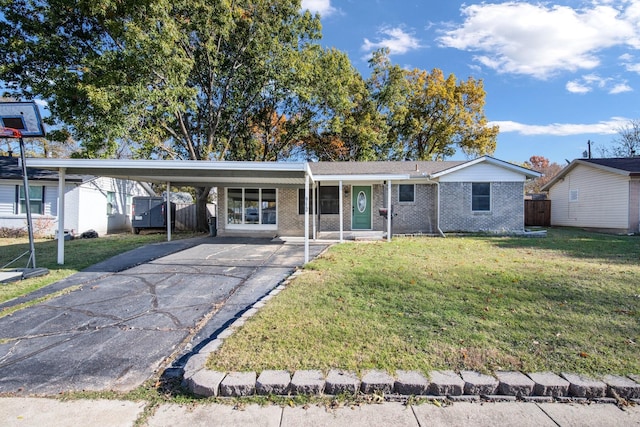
(306, 217)
(389, 210)
(61, 184)
(313, 210)
(341, 212)
(168, 211)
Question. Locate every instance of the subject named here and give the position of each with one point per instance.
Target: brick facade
(506, 214)
(419, 216)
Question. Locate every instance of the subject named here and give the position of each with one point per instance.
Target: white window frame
(413, 199)
(574, 195)
(111, 203)
(21, 200)
(259, 225)
(490, 198)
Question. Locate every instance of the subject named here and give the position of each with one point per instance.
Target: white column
(306, 218)
(313, 210)
(61, 185)
(341, 212)
(389, 211)
(168, 207)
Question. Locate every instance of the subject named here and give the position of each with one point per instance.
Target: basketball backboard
(23, 116)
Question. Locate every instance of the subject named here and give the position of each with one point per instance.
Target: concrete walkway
(108, 413)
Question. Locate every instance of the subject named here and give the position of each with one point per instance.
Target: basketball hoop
(10, 133)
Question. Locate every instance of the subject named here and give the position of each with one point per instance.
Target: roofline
(47, 163)
(577, 162)
(363, 177)
(492, 160)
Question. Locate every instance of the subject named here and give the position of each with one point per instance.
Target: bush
(12, 233)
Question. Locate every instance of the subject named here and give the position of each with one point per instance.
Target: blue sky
(557, 74)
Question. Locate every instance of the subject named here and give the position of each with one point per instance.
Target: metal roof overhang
(183, 172)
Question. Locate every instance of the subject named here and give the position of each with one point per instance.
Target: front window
(36, 199)
(481, 196)
(329, 199)
(251, 206)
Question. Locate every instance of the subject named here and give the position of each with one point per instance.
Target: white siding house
(91, 203)
(601, 194)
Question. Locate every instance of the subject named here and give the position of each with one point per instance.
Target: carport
(180, 172)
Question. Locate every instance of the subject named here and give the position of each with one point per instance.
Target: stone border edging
(465, 386)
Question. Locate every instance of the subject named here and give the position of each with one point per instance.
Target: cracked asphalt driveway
(118, 326)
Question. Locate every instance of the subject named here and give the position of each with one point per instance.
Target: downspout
(437, 183)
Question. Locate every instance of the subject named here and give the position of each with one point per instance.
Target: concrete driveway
(119, 325)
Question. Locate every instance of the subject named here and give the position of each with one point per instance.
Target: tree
(181, 79)
(542, 165)
(627, 143)
(430, 116)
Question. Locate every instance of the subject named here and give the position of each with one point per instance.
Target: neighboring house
(427, 197)
(602, 194)
(91, 203)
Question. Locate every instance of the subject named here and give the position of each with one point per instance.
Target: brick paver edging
(466, 385)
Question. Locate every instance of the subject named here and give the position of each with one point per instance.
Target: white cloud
(608, 127)
(396, 40)
(540, 40)
(620, 88)
(589, 82)
(323, 7)
(575, 86)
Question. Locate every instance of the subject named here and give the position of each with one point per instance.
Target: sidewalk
(108, 413)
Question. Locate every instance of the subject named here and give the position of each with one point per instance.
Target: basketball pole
(27, 202)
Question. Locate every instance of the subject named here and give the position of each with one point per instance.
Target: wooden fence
(537, 213)
(186, 215)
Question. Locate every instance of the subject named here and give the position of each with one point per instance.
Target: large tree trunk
(202, 198)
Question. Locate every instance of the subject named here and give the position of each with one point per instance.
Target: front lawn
(568, 302)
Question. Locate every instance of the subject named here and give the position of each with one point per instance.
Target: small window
(36, 199)
(111, 203)
(573, 195)
(406, 192)
(481, 196)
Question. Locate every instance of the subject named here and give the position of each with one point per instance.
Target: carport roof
(184, 172)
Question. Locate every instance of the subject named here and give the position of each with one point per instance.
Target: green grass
(78, 254)
(568, 302)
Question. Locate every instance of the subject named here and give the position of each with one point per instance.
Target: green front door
(361, 207)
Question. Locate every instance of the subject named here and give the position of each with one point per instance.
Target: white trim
(252, 227)
(510, 166)
(363, 177)
(47, 163)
